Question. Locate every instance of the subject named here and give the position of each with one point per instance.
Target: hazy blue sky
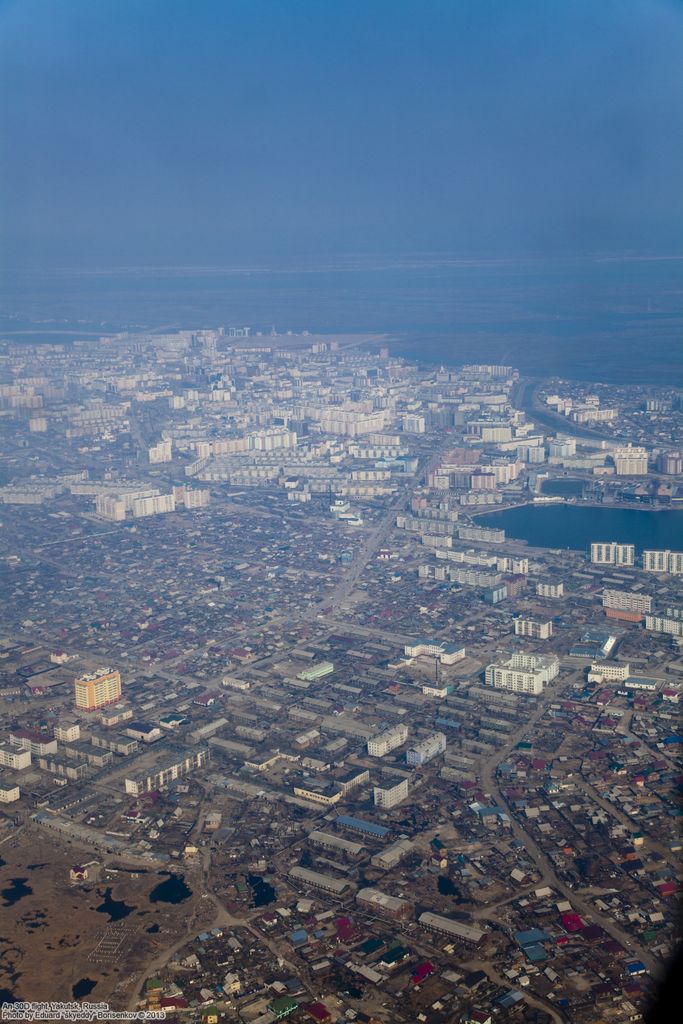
(165, 131)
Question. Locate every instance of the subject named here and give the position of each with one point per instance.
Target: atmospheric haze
(201, 133)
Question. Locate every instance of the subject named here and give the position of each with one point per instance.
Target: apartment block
(523, 673)
(384, 742)
(162, 775)
(545, 589)
(612, 553)
(390, 796)
(630, 461)
(426, 749)
(14, 757)
(663, 624)
(670, 562)
(97, 689)
(534, 628)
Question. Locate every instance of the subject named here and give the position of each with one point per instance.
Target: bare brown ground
(54, 936)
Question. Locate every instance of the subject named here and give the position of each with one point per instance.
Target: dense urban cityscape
(303, 716)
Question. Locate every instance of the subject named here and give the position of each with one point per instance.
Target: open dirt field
(55, 934)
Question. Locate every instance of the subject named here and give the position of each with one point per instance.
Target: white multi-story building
(386, 741)
(448, 654)
(426, 749)
(161, 452)
(612, 553)
(414, 424)
(670, 562)
(562, 449)
(110, 506)
(544, 589)
(626, 601)
(9, 791)
(523, 673)
(376, 902)
(487, 534)
(601, 672)
(271, 439)
(592, 414)
(14, 757)
(196, 497)
(532, 454)
(390, 796)
(664, 624)
(340, 419)
(630, 461)
(495, 432)
(509, 564)
(37, 743)
(162, 775)
(533, 628)
(67, 731)
(468, 577)
(154, 506)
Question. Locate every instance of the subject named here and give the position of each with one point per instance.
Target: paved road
(523, 397)
(373, 542)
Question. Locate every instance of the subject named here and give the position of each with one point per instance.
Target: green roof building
(309, 675)
(282, 1006)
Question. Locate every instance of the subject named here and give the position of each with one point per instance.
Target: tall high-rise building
(97, 689)
(154, 506)
(612, 553)
(110, 506)
(671, 463)
(161, 452)
(663, 561)
(630, 461)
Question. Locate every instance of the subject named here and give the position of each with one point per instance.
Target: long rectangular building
(523, 673)
(368, 828)
(336, 886)
(664, 624)
(163, 774)
(453, 929)
(626, 601)
(670, 562)
(612, 553)
(332, 842)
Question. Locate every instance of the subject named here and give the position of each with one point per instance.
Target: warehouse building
(453, 929)
(335, 886)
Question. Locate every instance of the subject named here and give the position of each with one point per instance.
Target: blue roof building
(359, 825)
